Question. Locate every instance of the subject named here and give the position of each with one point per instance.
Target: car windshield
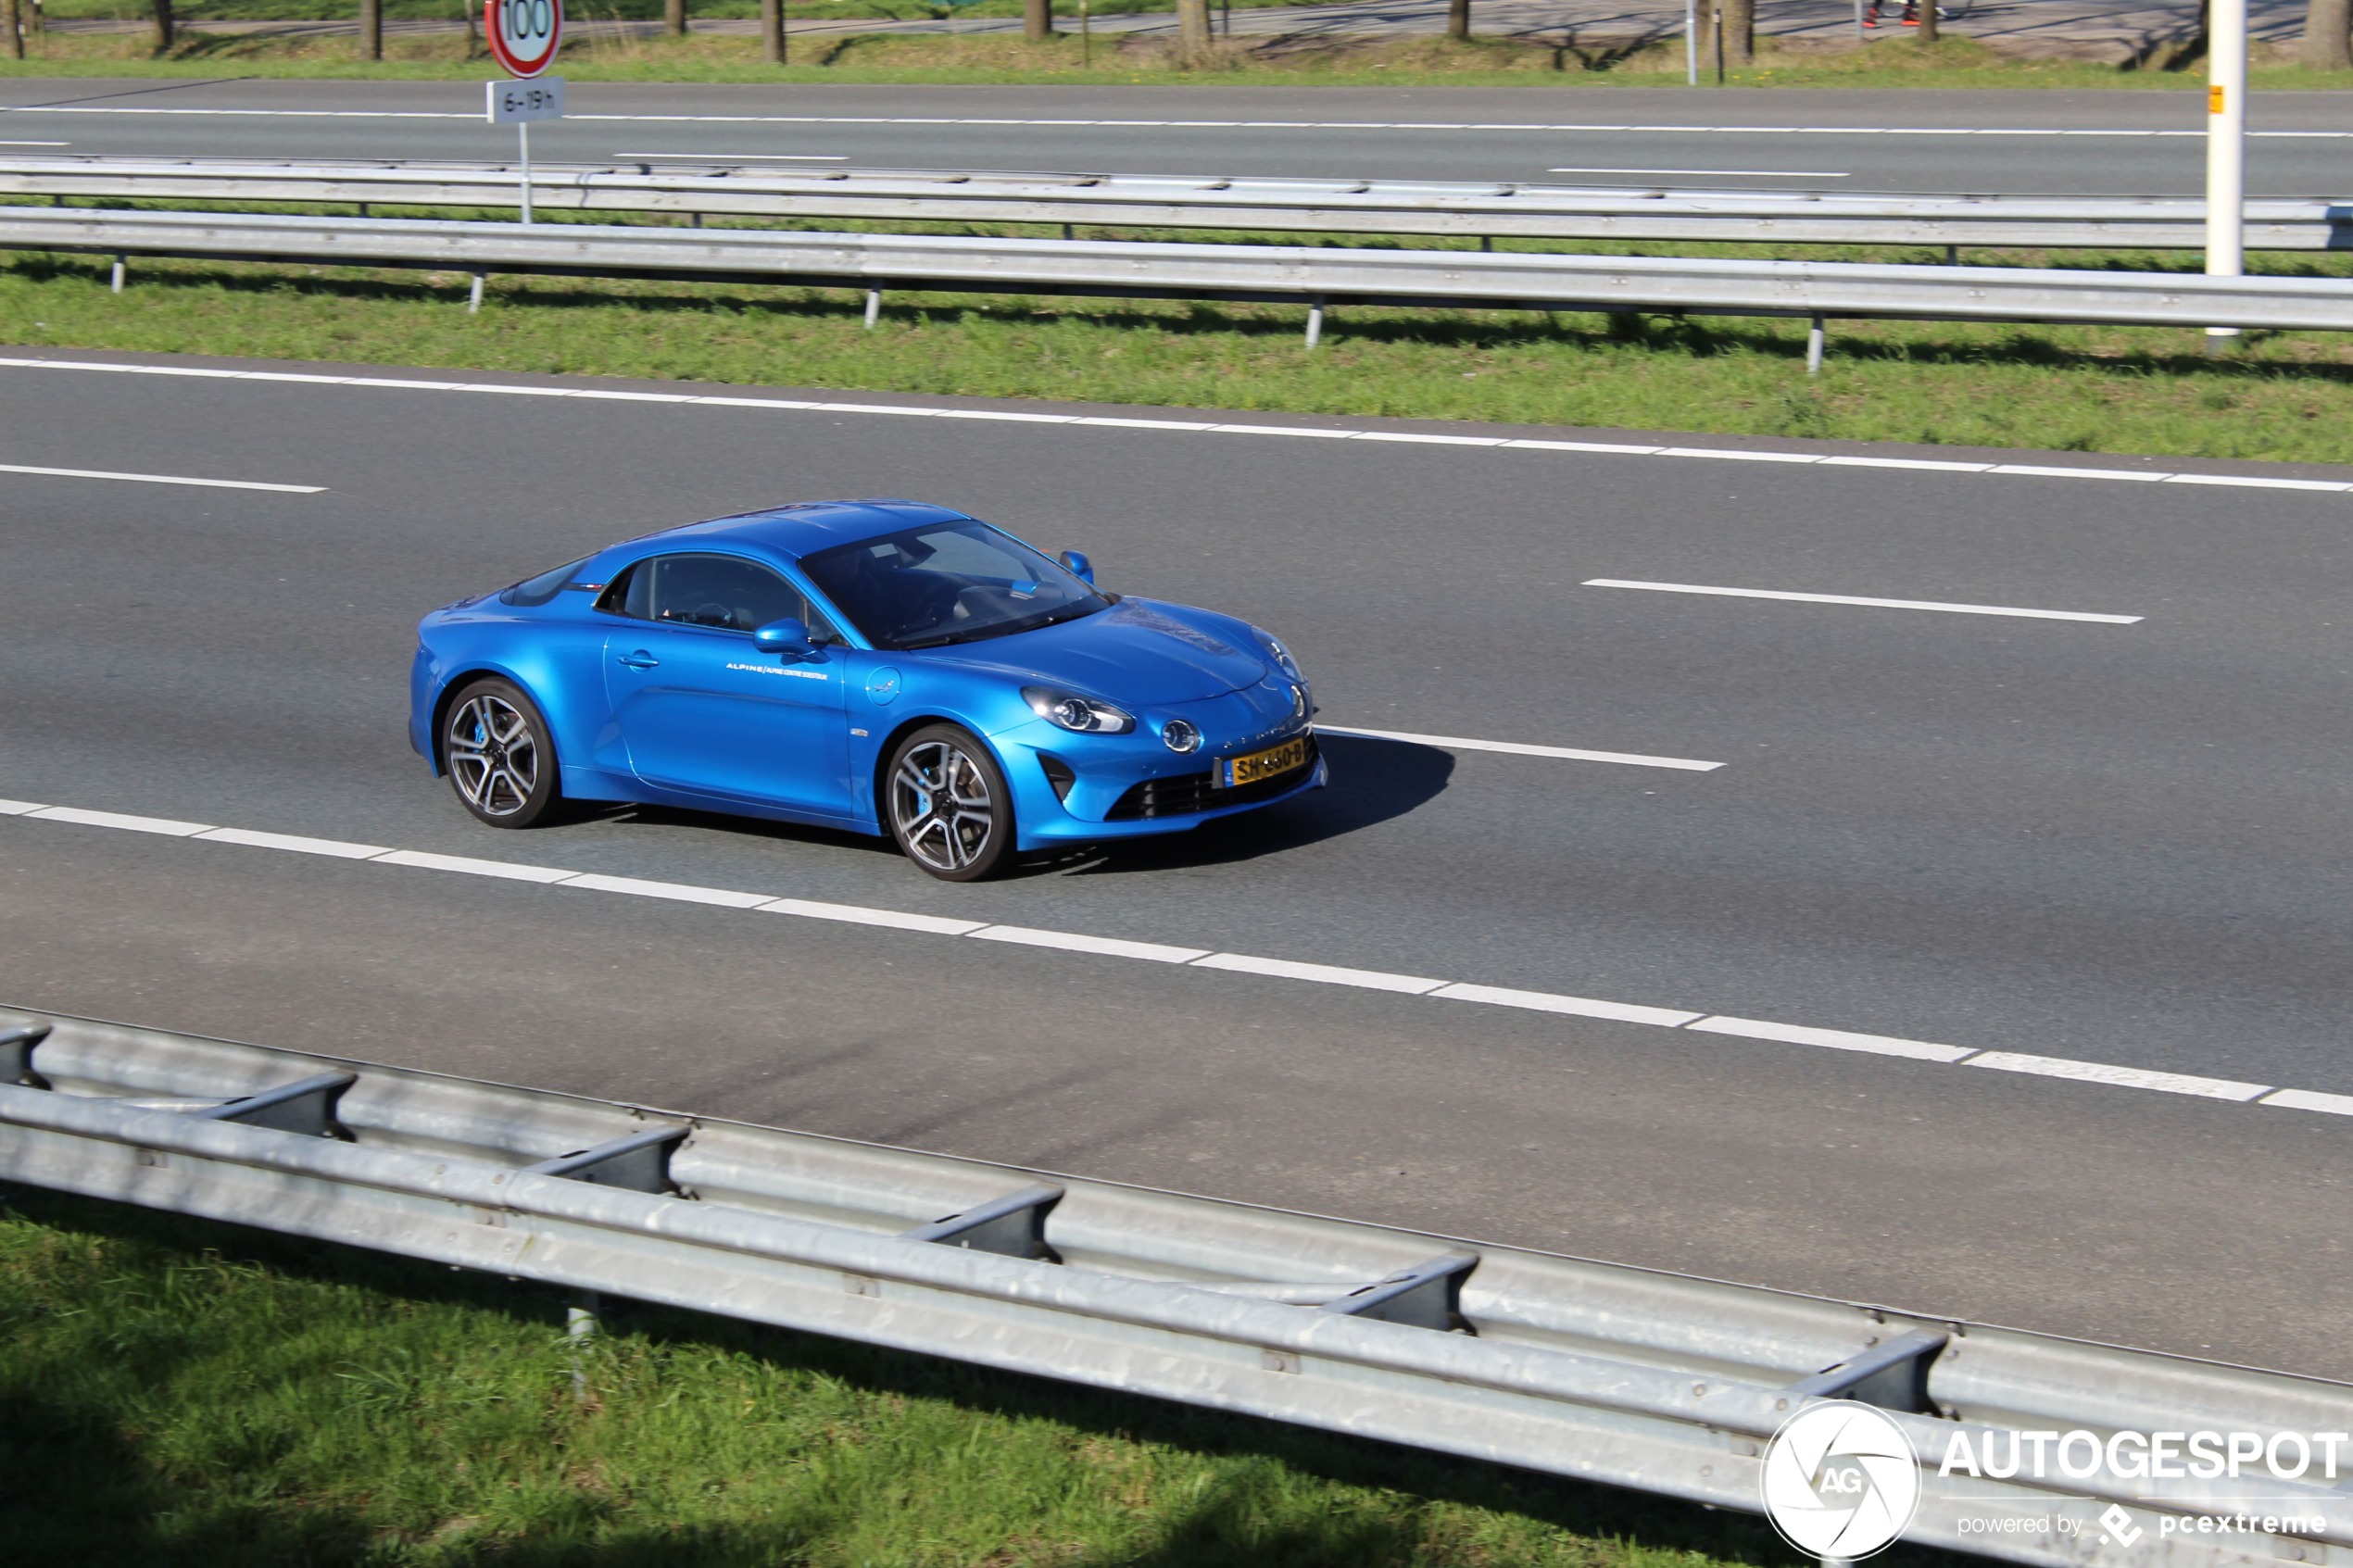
(949, 583)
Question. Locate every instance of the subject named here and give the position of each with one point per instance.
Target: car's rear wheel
(948, 805)
(500, 760)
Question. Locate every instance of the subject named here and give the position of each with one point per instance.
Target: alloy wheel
(494, 757)
(942, 806)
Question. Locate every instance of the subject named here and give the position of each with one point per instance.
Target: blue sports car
(881, 666)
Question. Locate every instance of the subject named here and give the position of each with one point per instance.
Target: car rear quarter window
(533, 592)
(722, 593)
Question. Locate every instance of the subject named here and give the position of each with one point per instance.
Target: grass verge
(182, 1392)
(2281, 398)
(1005, 59)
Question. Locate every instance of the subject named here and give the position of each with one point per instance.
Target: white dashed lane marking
(2106, 1074)
(163, 478)
(1516, 749)
(1869, 604)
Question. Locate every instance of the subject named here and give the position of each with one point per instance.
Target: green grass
(1008, 60)
(2281, 398)
(176, 1392)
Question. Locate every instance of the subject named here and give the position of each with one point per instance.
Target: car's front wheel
(500, 760)
(948, 805)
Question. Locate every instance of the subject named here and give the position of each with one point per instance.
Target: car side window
(724, 593)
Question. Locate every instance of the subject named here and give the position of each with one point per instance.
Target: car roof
(801, 527)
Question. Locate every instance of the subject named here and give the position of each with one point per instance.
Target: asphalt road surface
(2135, 142)
(2118, 841)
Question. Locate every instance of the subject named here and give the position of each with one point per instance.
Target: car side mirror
(1080, 567)
(789, 637)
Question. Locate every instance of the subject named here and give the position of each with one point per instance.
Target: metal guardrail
(1314, 275)
(1284, 206)
(1603, 1373)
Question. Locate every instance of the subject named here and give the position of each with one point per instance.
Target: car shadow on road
(1372, 781)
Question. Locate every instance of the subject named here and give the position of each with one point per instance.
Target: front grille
(1185, 795)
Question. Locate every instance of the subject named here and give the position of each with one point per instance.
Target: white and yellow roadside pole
(2225, 150)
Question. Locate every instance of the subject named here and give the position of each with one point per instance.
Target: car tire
(500, 759)
(946, 804)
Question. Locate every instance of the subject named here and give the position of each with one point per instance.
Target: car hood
(1138, 652)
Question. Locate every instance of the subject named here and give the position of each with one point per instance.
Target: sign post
(2225, 149)
(523, 36)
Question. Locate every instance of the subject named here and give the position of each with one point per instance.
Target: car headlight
(1082, 715)
(1281, 655)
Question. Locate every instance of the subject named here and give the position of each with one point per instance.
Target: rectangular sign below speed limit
(516, 102)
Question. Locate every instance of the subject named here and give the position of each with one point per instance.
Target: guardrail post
(473, 296)
(305, 1107)
(1316, 321)
(1814, 348)
(582, 1323)
(1892, 1376)
(873, 307)
(1013, 1225)
(117, 274)
(1425, 1296)
(16, 1055)
(637, 1162)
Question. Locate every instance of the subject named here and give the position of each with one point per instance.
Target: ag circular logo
(1840, 1480)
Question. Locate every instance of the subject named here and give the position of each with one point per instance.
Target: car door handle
(641, 660)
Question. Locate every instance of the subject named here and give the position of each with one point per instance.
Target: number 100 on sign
(524, 34)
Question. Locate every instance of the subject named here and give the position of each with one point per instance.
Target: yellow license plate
(1267, 764)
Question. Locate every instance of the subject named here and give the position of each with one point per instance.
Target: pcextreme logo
(1840, 1480)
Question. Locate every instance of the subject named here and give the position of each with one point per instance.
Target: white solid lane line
(35, 144)
(2096, 1072)
(1078, 942)
(1457, 742)
(163, 825)
(165, 479)
(1194, 427)
(1742, 174)
(2129, 1077)
(744, 157)
(1867, 603)
(1831, 1039)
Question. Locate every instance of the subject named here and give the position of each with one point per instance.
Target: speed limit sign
(524, 34)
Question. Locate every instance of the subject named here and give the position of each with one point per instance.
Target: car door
(702, 711)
